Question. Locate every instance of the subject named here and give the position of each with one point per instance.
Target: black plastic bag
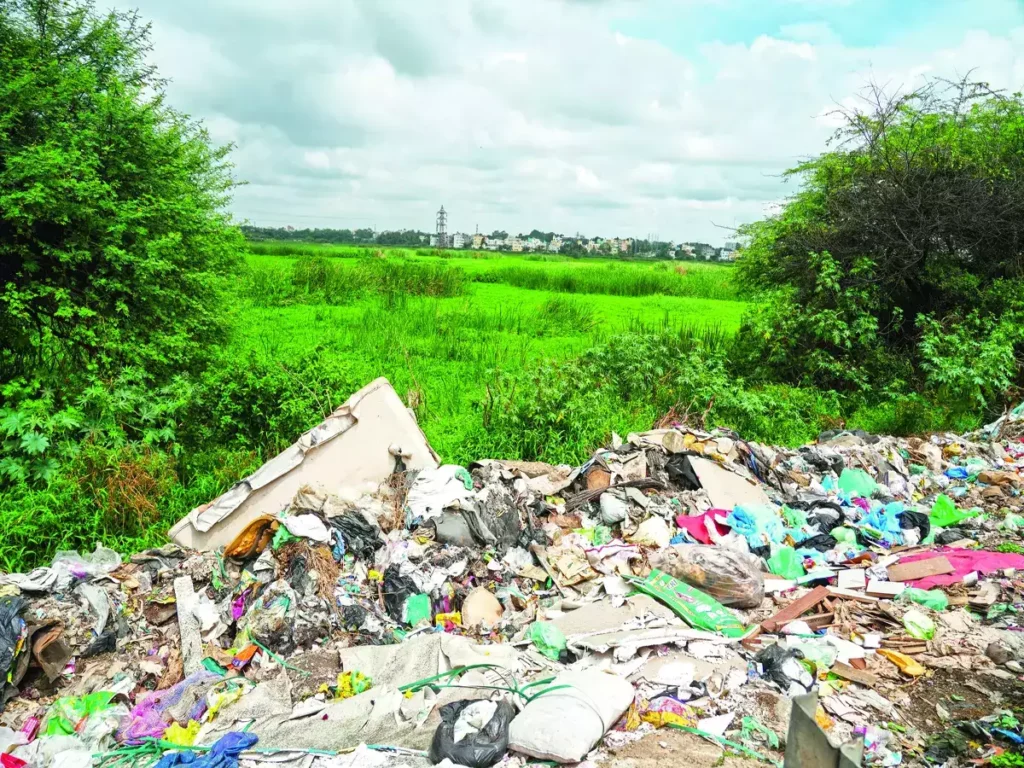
(397, 589)
(823, 542)
(950, 535)
(917, 520)
(359, 535)
(681, 473)
(10, 630)
(773, 661)
(105, 643)
(479, 750)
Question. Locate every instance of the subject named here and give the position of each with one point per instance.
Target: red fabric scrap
(696, 527)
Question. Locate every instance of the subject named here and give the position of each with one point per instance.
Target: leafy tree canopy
(113, 232)
(900, 258)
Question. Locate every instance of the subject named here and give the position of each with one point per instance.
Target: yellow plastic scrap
(443, 618)
(183, 737)
(906, 664)
(222, 694)
(822, 718)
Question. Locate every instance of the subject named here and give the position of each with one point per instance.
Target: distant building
(625, 245)
(478, 241)
(459, 240)
(555, 245)
(517, 244)
(433, 241)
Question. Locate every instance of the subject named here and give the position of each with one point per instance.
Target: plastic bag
(480, 748)
(732, 578)
(12, 628)
(397, 590)
(223, 754)
(434, 490)
(857, 482)
(786, 563)
(783, 667)
(548, 638)
(690, 604)
(68, 711)
(918, 625)
(359, 535)
(70, 565)
(758, 524)
(945, 513)
(930, 598)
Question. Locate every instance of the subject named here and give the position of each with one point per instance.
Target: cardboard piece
(920, 569)
(850, 594)
(853, 578)
(726, 489)
(848, 672)
(351, 452)
(885, 589)
(796, 609)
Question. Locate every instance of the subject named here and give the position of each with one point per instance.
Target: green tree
(901, 256)
(113, 231)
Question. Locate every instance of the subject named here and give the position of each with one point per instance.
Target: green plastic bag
(548, 638)
(786, 563)
(697, 609)
(845, 536)
(598, 535)
(416, 609)
(930, 598)
(918, 625)
(945, 513)
(856, 482)
(67, 712)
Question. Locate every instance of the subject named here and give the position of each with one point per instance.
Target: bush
(112, 216)
(901, 258)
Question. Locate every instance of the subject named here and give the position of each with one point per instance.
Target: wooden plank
(796, 609)
(934, 566)
(848, 672)
(849, 594)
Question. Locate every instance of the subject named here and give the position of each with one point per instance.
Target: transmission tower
(442, 228)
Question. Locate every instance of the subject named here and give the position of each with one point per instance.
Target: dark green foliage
(111, 202)
(899, 262)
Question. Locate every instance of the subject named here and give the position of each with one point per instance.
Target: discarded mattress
(352, 451)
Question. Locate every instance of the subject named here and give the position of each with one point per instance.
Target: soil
(668, 747)
(976, 695)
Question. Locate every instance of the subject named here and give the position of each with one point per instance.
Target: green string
(278, 659)
(726, 743)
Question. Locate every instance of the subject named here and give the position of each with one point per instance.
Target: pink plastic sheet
(964, 561)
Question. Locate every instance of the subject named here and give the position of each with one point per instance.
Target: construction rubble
(360, 604)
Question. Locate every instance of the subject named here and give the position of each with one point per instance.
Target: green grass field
(442, 351)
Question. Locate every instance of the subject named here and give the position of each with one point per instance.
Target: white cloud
(520, 115)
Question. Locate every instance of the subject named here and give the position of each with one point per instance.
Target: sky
(603, 117)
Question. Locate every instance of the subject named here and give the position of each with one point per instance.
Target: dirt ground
(666, 747)
(961, 695)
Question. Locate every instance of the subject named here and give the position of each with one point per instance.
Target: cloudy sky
(607, 117)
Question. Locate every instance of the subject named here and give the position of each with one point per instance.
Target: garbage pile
(679, 584)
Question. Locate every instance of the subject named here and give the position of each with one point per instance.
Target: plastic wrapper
(459, 739)
(12, 627)
(918, 625)
(857, 482)
(359, 535)
(787, 563)
(930, 598)
(945, 513)
(783, 667)
(732, 578)
(548, 638)
(70, 565)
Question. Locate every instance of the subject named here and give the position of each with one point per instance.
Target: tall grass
(312, 278)
(617, 279)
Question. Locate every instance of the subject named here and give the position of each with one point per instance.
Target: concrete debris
(355, 594)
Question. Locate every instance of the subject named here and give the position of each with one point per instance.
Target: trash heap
(681, 584)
